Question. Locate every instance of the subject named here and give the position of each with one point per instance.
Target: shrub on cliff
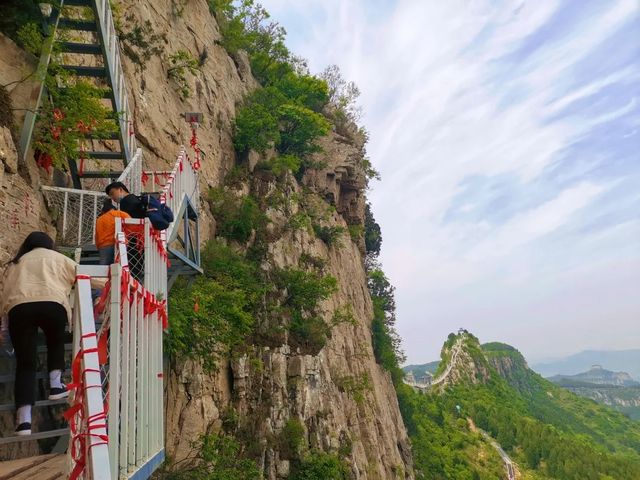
(67, 115)
(216, 312)
(320, 466)
(236, 217)
(304, 291)
(214, 457)
(245, 25)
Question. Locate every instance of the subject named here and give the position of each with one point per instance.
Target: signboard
(193, 117)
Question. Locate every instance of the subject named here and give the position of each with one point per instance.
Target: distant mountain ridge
(598, 376)
(613, 389)
(418, 371)
(615, 360)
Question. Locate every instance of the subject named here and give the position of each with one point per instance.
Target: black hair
(113, 185)
(34, 240)
(107, 206)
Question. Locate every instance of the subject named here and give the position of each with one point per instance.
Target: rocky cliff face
(22, 207)
(269, 384)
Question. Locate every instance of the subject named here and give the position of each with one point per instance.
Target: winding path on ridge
(511, 471)
(454, 357)
(455, 350)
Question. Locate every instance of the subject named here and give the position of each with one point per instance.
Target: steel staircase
(117, 419)
(94, 56)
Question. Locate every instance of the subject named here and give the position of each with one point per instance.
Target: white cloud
(447, 97)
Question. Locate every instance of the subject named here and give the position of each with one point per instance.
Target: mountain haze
(616, 360)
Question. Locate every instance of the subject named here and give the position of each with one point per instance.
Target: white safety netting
(75, 212)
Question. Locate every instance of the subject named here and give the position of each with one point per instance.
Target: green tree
(320, 466)
(300, 128)
(216, 458)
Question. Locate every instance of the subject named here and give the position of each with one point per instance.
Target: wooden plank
(10, 469)
(53, 468)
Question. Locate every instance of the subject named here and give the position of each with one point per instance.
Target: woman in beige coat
(35, 294)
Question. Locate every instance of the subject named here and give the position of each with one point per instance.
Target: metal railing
(156, 179)
(88, 449)
(109, 39)
(76, 212)
(132, 174)
(135, 385)
(117, 412)
(182, 182)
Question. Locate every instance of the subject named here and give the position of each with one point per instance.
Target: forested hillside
(548, 431)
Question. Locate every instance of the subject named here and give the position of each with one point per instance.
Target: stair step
(34, 436)
(80, 25)
(10, 377)
(105, 155)
(100, 174)
(7, 407)
(82, 71)
(23, 468)
(109, 136)
(83, 48)
(77, 3)
(4, 353)
(106, 93)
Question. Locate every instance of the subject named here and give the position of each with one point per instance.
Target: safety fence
(155, 180)
(116, 415)
(109, 40)
(75, 212)
(182, 183)
(89, 441)
(131, 176)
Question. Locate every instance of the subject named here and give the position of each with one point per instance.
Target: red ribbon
(75, 412)
(43, 160)
(144, 178)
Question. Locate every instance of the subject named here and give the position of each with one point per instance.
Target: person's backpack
(159, 214)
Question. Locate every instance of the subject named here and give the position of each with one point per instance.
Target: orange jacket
(106, 227)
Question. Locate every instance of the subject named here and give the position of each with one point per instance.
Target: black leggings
(24, 320)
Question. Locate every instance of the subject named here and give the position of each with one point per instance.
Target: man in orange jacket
(106, 231)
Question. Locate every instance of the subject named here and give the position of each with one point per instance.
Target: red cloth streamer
(75, 413)
(144, 178)
(135, 232)
(43, 160)
(102, 301)
(196, 149)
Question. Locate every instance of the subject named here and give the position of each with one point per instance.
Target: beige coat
(41, 275)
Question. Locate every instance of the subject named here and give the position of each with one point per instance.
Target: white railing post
(97, 450)
(133, 385)
(115, 369)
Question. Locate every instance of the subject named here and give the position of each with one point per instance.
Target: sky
(507, 134)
